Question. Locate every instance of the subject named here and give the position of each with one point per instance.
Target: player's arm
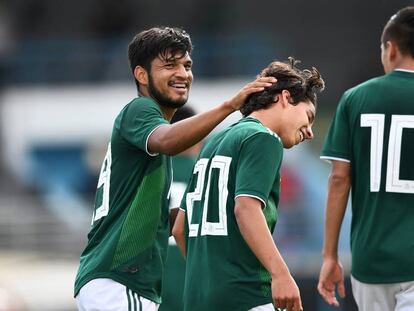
(174, 138)
(178, 231)
(253, 227)
(331, 275)
(173, 217)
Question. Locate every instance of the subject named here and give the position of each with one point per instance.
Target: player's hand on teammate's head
(257, 85)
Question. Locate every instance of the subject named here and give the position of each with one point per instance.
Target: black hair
(400, 29)
(301, 84)
(183, 113)
(163, 42)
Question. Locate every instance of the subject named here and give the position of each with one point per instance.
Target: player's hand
(285, 293)
(331, 278)
(257, 85)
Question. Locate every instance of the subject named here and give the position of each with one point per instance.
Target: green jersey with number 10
(222, 272)
(373, 129)
(129, 233)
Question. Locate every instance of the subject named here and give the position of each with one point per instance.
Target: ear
(285, 98)
(141, 74)
(392, 50)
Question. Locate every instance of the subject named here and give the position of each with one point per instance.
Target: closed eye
(311, 116)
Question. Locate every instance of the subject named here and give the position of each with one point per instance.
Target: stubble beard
(162, 99)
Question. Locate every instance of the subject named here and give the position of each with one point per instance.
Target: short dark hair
(301, 84)
(400, 29)
(155, 42)
(182, 113)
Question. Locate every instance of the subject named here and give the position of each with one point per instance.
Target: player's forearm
(173, 217)
(338, 190)
(180, 240)
(253, 228)
(175, 138)
(178, 232)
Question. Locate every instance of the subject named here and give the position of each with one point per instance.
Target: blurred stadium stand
(57, 61)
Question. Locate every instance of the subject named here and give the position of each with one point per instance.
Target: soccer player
(370, 146)
(230, 207)
(121, 266)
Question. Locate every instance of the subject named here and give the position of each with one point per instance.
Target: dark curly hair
(160, 42)
(301, 84)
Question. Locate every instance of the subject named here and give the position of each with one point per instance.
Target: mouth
(301, 137)
(179, 85)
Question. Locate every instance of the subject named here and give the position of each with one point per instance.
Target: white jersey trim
(146, 142)
(404, 70)
(268, 129)
(181, 209)
(251, 196)
(328, 158)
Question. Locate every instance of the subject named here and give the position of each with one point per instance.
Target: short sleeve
(337, 141)
(258, 166)
(139, 120)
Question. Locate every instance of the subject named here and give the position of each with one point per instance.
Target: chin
(177, 103)
(288, 145)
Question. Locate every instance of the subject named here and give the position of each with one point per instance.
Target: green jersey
(173, 285)
(129, 232)
(222, 272)
(373, 129)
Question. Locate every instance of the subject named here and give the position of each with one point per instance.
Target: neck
(143, 91)
(268, 119)
(405, 62)
(167, 112)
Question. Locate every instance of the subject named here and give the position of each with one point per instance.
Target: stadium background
(64, 76)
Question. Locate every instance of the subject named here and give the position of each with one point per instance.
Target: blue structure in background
(58, 166)
(59, 173)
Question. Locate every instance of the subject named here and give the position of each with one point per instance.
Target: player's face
(170, 80)
(298, 125)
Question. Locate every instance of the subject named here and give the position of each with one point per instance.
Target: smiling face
(170, 79)
(297, 123)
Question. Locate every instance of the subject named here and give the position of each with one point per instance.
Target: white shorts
(106, 294)
(383, 297)
(268, 307)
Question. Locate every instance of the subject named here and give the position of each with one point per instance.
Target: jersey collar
(268, 129)
(404, 70)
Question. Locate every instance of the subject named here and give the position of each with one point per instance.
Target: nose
(182, 72)
(308, 133)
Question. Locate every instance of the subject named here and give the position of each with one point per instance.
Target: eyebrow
(177, 59)
(177, 55)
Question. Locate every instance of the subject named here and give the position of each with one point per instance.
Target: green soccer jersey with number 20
(222, 273)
